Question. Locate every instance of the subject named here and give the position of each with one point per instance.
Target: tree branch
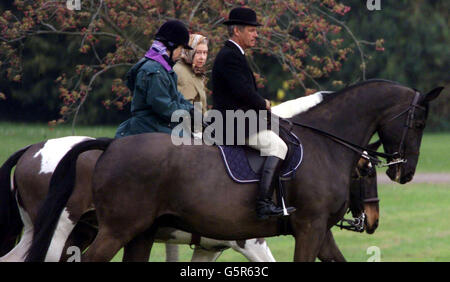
(199, 3)
(361, 53)
(90, 26)
(93, 78)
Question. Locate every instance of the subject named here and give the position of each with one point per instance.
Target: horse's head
(371, 202)
(364, 192)
(401, 134)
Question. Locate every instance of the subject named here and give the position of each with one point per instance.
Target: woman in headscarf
(191, 70)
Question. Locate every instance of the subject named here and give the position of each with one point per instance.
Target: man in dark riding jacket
(234, 88)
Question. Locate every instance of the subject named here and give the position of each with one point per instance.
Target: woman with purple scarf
(153, 83)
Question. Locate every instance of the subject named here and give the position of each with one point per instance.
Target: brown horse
(364, 194)
(35, 165)
(141, 182)
(364, 202)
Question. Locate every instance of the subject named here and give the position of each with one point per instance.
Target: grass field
(414, 221)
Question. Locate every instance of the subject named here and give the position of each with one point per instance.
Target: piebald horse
(35, 165)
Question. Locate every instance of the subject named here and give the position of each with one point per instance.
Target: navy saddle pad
(244, 164)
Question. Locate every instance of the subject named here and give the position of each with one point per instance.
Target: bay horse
(36, 163)
(142, 181)
(363, 204)
(363, 201)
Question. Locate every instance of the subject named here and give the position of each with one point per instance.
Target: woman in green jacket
(154, 84)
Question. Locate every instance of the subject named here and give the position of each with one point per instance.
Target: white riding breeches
(268, 143)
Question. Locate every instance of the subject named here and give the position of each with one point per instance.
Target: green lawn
(435, 153)
(18, 135)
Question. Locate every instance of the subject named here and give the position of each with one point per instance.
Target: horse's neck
(352, 115)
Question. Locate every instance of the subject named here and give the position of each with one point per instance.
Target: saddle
(244, 164)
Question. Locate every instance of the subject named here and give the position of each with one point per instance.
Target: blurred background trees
(56, 63)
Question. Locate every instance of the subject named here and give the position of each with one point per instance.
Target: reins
(365, 152)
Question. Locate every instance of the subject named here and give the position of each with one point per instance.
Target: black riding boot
(264, 205)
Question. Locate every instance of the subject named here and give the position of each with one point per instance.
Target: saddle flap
(255, 160)
(244, 164)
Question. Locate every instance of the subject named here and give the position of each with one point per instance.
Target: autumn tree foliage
(307, 38)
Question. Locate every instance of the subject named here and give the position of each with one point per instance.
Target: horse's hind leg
(81, 237)
(138, 249)
(309, 237)
(329, 251)
(63, 229)
(104, 247)
(18, 253)
(110, 239)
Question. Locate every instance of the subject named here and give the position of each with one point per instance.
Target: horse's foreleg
(329, 251)
(203, 255)
(171, 252)
(309, 237)
(255, 250)
(138, 249)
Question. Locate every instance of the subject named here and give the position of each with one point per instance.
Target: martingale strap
(409, 122)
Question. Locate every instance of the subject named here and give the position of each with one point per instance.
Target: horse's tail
(61, 187)
(10, 221)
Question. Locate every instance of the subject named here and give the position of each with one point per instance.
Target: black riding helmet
(173, 33)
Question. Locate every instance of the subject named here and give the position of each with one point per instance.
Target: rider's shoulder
(152, 67)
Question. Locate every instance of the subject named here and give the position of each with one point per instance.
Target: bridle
(396, 157)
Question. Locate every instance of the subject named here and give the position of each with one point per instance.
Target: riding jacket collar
(240, 48)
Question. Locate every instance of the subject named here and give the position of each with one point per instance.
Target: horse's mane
(330, 96)
(296, 106)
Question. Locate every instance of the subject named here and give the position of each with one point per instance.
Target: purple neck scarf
(156, 52)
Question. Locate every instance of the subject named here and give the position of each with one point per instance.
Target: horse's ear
(374, 146)
(433, 94)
